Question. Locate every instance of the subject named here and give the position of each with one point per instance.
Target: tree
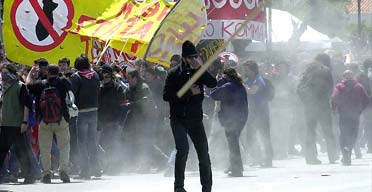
(327, 16)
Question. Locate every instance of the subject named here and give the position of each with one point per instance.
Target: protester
(186, 115)
(232, 115)
(14, 115)
(259, 118)
(349, 99)
(54, 118)
(175, 60)
(139, 128)
(42, 68)
(366, 121)
(85, 86)
(64, 65)
(73, 111)
(314, 90)
(110, 98)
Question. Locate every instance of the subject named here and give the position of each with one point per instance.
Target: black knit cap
(188, 49)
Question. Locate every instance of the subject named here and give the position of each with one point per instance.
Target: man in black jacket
(186, 115)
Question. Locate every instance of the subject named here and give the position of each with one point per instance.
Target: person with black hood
(232, 115)
(186, 116)
(110, 97)
(85, 85)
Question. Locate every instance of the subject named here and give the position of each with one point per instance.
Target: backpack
(269, 90)
(51, 105)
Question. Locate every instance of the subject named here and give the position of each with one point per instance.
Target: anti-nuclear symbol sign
(39, 24)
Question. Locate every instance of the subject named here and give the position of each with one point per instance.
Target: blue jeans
(87, 133)
(35, 167)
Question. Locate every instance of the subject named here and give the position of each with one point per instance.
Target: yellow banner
(186, 22)
(45, 28)
(54, 29)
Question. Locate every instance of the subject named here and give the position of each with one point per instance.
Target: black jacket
(109, 110)
(62, 85)
(86, 91)
(189, 106)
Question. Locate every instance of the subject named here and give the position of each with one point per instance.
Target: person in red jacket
(349, 99)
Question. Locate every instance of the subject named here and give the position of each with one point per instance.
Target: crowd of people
(87, 120)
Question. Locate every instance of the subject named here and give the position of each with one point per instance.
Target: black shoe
(47, 179)
(235, 174)
(11, 179)
(29, 180)
(64, 177)
(98, 173)
(313, 162)
(346, 162)
(179, 189)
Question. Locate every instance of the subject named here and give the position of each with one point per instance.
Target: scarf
(87, 73)
(8, 80)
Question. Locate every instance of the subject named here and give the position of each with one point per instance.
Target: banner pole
(103, 51)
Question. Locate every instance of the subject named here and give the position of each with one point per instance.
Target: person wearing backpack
(349, 99)
(53, 117)
(14, 114)
(260, 92)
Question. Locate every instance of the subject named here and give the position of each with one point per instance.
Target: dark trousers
(260, 121)
(195, 129)
(74, 148)
(110, 142)
(233, 132)
(367, 126)
(12, 136)
(313, 115)
(368, 131)
(349, 127)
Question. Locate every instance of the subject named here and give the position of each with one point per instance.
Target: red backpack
(51, 105)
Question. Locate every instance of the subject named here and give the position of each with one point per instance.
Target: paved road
(287, 176)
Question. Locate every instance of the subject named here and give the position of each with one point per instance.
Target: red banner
(226, 16)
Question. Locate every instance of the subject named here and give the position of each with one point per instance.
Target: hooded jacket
(349, 97)
(86, 91)
(234, 102)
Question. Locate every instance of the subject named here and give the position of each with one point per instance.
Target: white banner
(224, 29)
